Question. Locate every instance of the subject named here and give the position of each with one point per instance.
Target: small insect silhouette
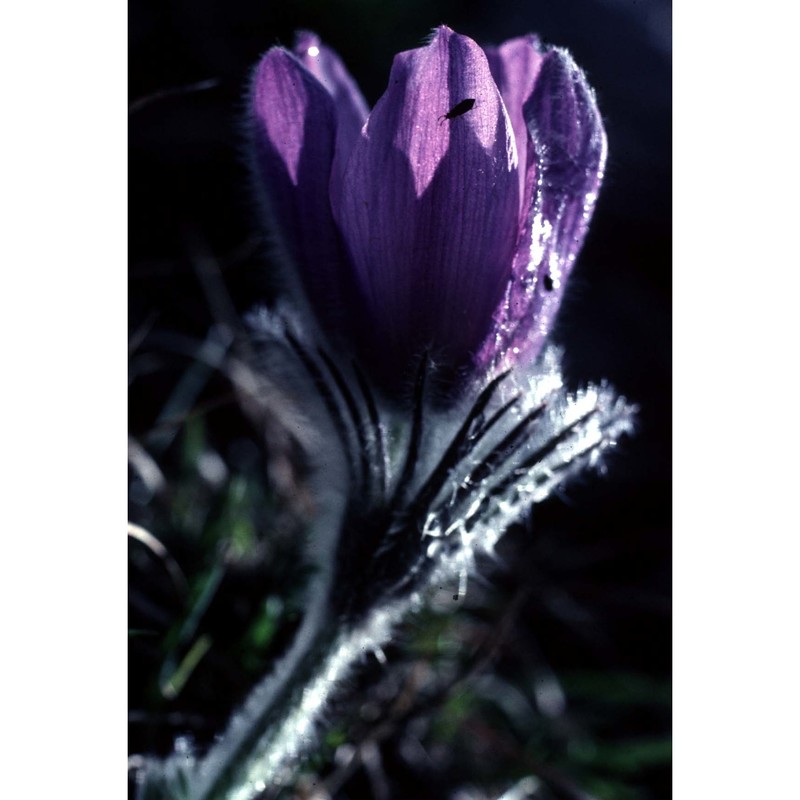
(458, 109)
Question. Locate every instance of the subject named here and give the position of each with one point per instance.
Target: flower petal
(569, 144)
(293, 120)
(349, 104)
(429, 205)
(515, 66)
(326, 66)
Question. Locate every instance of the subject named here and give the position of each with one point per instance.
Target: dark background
(589, 580)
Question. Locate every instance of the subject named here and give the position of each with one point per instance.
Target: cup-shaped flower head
(446, 220)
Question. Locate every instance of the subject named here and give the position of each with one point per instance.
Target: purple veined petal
(293, 125)
(515, 67)
(429, 206)
(293, 114)
(569, 142)
(349, 104)
(326, 66)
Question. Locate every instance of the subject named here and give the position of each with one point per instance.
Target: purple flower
(448, 218)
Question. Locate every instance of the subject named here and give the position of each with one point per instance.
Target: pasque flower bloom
(448, 218)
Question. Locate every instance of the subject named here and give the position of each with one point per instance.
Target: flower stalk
(457, 481)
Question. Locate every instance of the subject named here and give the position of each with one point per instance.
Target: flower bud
(445, 221)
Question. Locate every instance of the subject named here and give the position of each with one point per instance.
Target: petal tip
(564, 120)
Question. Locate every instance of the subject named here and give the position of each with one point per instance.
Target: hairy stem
(259, 758)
